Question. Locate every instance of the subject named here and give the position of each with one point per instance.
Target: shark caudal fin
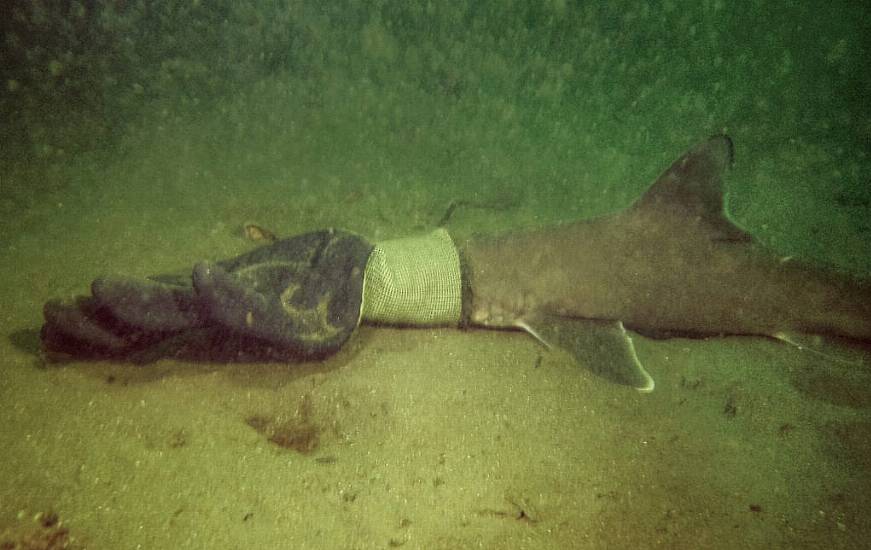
(692, 189)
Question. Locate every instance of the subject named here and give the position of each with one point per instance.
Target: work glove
(300, 297)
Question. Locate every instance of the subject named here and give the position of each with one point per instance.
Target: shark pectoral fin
(602, 346)
(840, 350)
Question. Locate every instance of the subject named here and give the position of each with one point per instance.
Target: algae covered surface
(140, 137)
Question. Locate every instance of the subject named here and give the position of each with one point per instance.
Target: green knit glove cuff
(414, 281)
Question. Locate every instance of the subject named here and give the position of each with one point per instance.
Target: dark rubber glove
(299, 296)
(304, 294)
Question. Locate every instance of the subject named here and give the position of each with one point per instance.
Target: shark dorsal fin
(692, 189)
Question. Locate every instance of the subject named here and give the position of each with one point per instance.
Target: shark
(671, 264)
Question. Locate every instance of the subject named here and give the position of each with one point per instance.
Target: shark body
(673, 263)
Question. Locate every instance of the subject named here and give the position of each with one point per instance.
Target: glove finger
(80, 329)
(148, 305)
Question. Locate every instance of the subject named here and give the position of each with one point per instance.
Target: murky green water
(139, 137)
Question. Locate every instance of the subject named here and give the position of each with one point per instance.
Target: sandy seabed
(406, 438)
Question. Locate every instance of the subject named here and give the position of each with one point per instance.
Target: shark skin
(673, 263)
